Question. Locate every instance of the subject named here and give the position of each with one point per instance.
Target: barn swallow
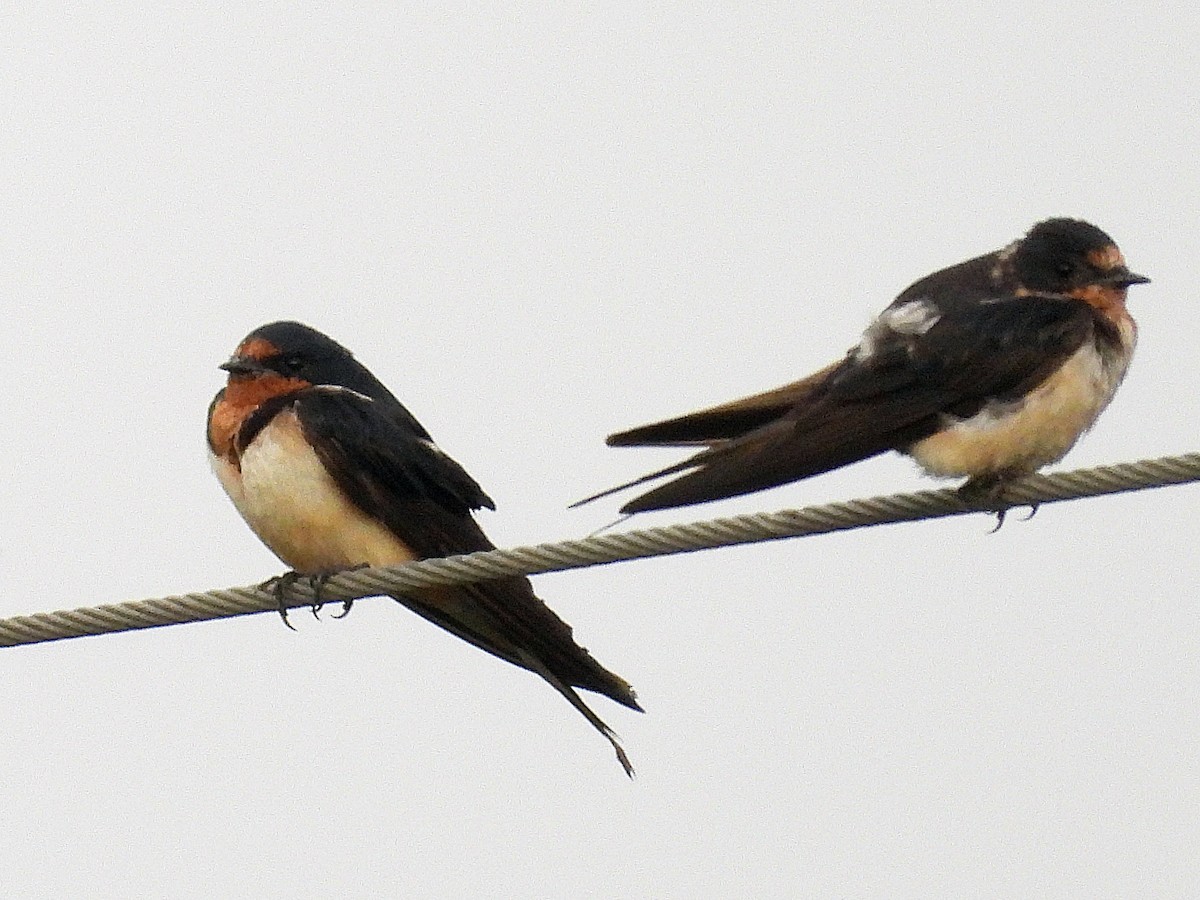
(332, 472)
(989, 369)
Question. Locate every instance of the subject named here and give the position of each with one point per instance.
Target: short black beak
(1122, 277)
(243, 365)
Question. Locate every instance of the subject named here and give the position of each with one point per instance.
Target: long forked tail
(534, 664)
(690, 463)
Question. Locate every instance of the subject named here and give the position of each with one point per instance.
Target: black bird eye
(292, 363)
(1064, 269)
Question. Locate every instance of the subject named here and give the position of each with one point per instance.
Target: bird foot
(280, 585)
(986, 493)
(346, 604)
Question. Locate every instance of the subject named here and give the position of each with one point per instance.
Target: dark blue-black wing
(422, 496)
(871, 402)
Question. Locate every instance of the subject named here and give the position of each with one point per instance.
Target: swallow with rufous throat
(988, 370)
(332, 472)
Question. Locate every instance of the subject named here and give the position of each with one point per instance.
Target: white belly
(1020, 437)
(286, 496)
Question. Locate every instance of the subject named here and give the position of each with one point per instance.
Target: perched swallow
(332, 472)
(989, 369)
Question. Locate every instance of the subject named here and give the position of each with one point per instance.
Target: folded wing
(886, 394)
(425, 499)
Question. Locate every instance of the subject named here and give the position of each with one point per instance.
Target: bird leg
(280, 585)
(986, 492)
(346, 604)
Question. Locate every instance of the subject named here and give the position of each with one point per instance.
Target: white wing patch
(913, 318)
(437, 451)
(338, 389)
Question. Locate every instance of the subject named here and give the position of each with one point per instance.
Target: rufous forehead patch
(1106, 258)
(256, 348)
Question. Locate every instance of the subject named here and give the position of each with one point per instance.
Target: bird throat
(241, 397)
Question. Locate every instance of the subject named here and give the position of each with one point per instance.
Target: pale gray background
(537, 226)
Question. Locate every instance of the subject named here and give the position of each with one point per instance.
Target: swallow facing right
(332, 472)
(989, 369)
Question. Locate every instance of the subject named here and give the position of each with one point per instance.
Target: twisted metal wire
(597, 550)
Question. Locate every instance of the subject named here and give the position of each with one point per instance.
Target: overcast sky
(537, 227)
